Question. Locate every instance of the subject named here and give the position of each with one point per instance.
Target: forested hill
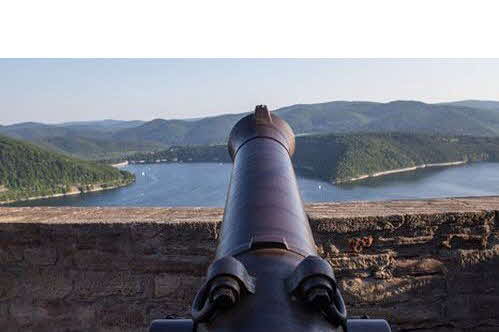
(339, 158)
(339, 117)
(114, 139)
(29, 171)
(479, 104)
(87, 140)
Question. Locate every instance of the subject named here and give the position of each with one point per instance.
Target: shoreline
(69, 193)
(349, 180)
(401, 170)
(119, 165)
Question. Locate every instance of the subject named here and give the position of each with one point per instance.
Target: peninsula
(30, 172)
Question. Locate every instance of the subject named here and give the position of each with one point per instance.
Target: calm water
(205, 184)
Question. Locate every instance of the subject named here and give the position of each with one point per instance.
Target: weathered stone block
(360, 261)
(175, 286)
(161, 308)
(91, 285)
(10, 254)
(483, 283)
(52, 315)
(473, 307)
(46, 283)
(477, 260)
(9, 285)
(113, 314)
(196, 265)
(40, 256)
(394, 290)
(94, 260)
(415, 267)
(405, 316)
(4, 314)
(26, 312)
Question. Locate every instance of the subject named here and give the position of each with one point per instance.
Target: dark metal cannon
(266, 275)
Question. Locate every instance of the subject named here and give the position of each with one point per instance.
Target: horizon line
(235, 113)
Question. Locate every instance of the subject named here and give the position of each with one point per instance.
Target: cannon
(266, 275)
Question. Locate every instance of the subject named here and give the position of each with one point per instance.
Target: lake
(205, 184)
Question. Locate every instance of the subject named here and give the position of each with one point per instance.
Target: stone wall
(423, 265)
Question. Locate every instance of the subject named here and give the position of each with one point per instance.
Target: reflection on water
(205, 184)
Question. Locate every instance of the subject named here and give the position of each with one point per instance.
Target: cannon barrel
(263, 208)
(266, 275)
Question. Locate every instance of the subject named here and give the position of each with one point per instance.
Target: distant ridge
(107, 124)
(480, 104)
(468, 117)
(333, 117)
(27, 125)
(89, 140)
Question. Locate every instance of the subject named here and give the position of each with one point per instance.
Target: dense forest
(28, 171)
(187, 153)
(338, 158)
(95, 148)
(338, 117)
(115, 139)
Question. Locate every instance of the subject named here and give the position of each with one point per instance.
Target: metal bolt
(319, 296)
(223, 297)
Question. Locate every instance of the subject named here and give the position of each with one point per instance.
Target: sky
(62, 90)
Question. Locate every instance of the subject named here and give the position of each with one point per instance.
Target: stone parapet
(427, 265)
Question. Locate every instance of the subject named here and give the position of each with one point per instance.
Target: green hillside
(186, 153)
(88, 140)
(339, 117)
(338, 158)
(481, 104)
(109, 139)
(211, 130)
(27, 171)
(96, 148)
